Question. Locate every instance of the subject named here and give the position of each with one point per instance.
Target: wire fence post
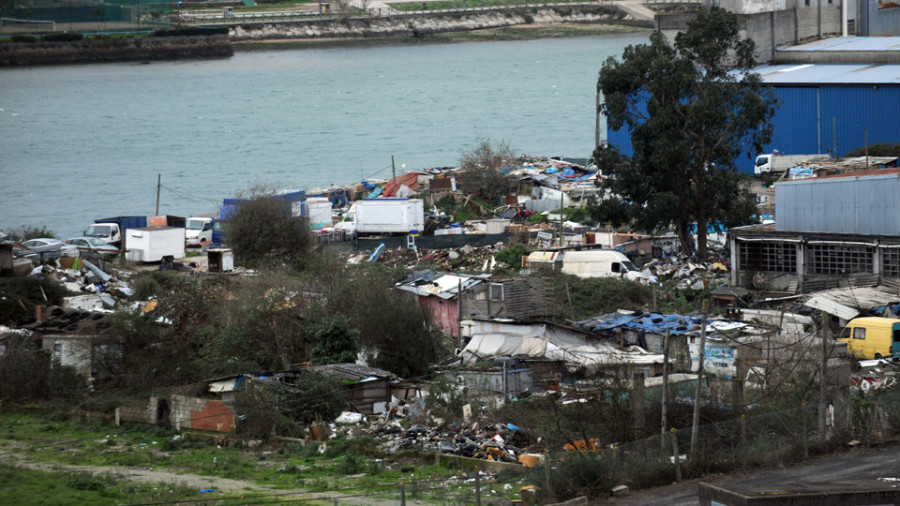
(695, 429)
(675, 457)
(477, 487)
(804, 436)
(402, 495)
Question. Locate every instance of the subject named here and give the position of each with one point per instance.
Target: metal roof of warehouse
(848, 44)
(837, 74)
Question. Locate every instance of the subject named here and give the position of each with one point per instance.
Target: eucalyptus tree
(691, 108)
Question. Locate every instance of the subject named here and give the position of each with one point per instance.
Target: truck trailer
(384, 216)
(154, 244)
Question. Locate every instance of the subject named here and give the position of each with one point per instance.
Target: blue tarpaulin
(650, 322)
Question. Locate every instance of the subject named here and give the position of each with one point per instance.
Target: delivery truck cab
(871, 337)
(198, 231)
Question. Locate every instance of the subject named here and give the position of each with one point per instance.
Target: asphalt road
(859, 468)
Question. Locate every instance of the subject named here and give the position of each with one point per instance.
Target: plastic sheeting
(650, 322)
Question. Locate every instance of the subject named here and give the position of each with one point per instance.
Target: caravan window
(616, 267)
(859, 333)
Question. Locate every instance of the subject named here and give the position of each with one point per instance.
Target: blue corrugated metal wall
(857, 108)
(803, 122)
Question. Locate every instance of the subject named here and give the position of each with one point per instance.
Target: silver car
(43, 248)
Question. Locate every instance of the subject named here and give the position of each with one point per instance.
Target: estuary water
(89, 141)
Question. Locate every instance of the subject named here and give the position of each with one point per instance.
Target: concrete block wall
(808, 18)
(137, 414)
(200, 414)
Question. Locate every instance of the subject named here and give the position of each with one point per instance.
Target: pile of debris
(467, 258)
(465, 438)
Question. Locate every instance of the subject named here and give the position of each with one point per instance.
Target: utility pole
(393, 171)
(158, 185)
(562, 199)
(695, 429)
(834, 134)
(823, 383)
(664, 395)
(597, 119)
(867, 148)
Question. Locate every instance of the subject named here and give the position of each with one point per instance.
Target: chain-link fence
(47, 16)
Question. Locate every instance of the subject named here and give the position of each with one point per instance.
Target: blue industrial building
(824, 108)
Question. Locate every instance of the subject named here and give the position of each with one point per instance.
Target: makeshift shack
(368, 389)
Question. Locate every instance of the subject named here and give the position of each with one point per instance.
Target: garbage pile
(686, 273)
(467, 258)
(496, 442)
(79, 275)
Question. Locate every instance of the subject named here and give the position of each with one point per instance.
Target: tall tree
(692, 108)
(262, 230)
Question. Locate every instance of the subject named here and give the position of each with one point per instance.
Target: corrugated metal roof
(444, 286)
(809, 73)
(848, 44)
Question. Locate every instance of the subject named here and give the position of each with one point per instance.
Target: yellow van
(871, 337)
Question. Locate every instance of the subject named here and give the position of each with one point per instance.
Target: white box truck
(780, 162)
(154, 244)
(384, 216)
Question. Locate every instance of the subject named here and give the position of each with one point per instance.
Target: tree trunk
(701, 236)
(684, 237)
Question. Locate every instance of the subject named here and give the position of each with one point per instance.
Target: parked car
(43, 248)
(93, 246)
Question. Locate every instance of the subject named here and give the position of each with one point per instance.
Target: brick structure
(201, 414)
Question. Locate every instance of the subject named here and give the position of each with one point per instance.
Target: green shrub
(191, 32)
(877, 149)
(28, 39)
(512, 256)
(27, 232)
(351, 464)
(63, 37)
(536, 218)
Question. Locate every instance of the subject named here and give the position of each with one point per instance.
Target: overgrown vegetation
(573, 298)
(877, 149)
(27, 232)
(22, 295)
(263, 231)
(29, 374)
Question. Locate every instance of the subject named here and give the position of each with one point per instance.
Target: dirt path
(143, 475)
(199, 482)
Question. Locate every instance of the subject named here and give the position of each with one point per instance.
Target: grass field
(48, 459)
